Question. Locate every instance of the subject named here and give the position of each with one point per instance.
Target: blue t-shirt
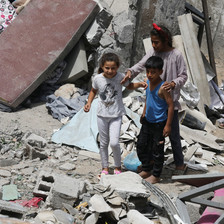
(156, 107)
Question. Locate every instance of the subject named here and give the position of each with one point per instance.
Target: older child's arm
(137, 85)
(169, 101)
(92, 94)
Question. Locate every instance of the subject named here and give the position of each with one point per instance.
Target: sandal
(117, 172)
(103, 172)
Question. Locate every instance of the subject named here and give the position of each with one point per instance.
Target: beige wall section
(216, 12)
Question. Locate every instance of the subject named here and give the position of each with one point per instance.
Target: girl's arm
(91, 96)
(137, 85)
(137, 68)
(169, 101)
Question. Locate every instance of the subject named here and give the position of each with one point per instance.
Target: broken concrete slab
(43, 42)
(98, 204)
(198, 180)
(201, 137)
(12, 209)
(99, 26)
(126, 184)
(135, 217)
(76, 64)
(123, 28)
(194, 59)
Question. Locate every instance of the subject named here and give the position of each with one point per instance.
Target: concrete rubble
(62, 178)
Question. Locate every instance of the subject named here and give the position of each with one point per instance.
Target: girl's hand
(144, 85)
(127, 76)
(87, 107)
(166, 130)
(168, 86)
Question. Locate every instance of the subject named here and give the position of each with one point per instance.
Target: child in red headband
(175, 75)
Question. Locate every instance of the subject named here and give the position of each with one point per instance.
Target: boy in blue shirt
(156, 122)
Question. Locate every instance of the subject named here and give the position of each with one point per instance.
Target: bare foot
(182, 167)
(152, 179)
(144, 174)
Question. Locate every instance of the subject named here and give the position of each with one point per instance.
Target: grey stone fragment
(92, 219)
(66, 190)
(123, 28)
(72, 211)
(135, 217)
(99, 204)
(107, 39)
(5, 173)
(67, 166)
(12, 207)
(63, 217)
(34, 140)
(124, 221)
(126, 184)
(99, 26)
(34, 152)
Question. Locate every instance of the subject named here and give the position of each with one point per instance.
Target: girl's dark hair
(164, 34)
(154, 62)
(108, 57)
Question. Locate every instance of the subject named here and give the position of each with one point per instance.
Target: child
(156, 123)
(175, 75)
(110, 108)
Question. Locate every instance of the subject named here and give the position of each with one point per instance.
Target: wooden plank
(194, 59)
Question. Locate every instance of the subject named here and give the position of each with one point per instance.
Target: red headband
(156, 27)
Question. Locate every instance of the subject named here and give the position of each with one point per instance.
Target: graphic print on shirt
(108, 95)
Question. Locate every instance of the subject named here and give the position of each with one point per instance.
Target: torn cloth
(60, 107)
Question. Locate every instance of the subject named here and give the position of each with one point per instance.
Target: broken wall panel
(194, 58)
(33, 45)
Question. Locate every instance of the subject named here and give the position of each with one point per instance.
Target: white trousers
(109, 132)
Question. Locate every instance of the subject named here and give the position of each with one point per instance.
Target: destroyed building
(49, 54)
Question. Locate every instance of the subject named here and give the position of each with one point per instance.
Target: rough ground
(37, 120)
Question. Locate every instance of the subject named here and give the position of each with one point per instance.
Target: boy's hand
(141, 118)
(166, 130)
(87, 107)
(127, 76)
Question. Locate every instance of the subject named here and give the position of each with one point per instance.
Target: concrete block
(44, 185)
(123, 28)
(43, 43)
(34, 140)
(127, 184)
(12, 209)
(66, 190)
(76, 64)
(99, 26)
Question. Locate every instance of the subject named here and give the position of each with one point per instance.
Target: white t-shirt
(110, 102)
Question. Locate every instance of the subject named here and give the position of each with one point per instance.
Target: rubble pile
(53, 179)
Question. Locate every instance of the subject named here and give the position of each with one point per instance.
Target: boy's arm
(137, 85)
(91, 96)
(143, 113)
(169, 101)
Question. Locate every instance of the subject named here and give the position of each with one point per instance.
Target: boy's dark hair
(108, 57)
(164, 34)
(154, 62)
